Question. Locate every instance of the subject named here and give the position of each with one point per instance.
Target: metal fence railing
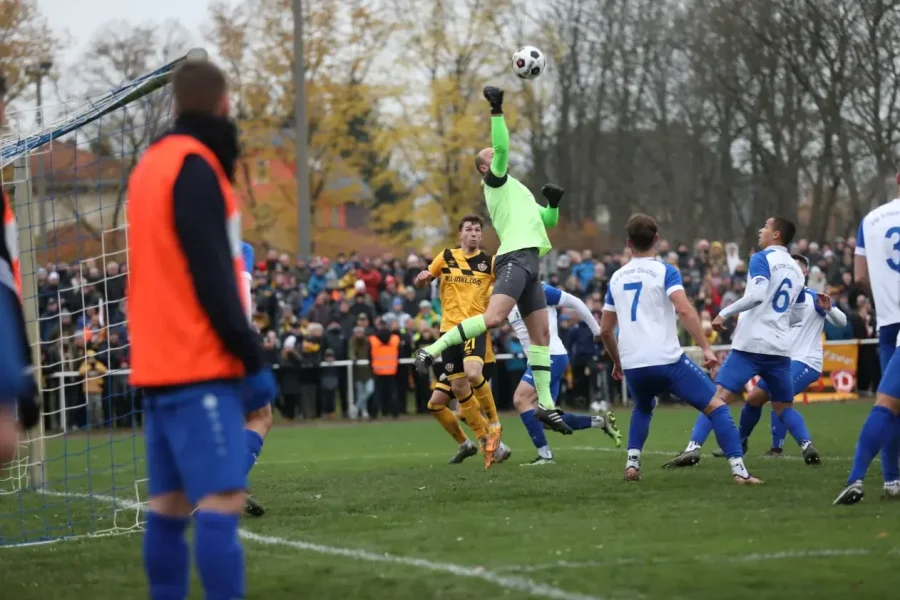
(692, 351)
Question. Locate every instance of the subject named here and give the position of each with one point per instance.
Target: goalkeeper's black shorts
(518, 276)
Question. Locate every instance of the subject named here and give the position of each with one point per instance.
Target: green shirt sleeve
(500, 141)
(550, 216)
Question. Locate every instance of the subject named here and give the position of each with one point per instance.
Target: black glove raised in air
(494, 96)
(553, 194)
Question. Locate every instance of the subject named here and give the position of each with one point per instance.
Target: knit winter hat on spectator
(359, 286)
(290, 342)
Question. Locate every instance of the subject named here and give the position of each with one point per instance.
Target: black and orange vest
(385, 357)
(172, 339)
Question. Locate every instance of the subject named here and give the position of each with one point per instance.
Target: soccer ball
(528, 62)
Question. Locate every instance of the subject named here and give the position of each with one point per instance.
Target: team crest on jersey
(448, 367)
(482, 266)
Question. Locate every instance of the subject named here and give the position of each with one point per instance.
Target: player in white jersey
(525, 397)
(644, 297)
(761, 344)
(877, 270)
(809, 314)
(259, 417)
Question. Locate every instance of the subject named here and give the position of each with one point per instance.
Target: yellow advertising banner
(838, 379)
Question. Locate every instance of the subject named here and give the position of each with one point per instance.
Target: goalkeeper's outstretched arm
(500, 142)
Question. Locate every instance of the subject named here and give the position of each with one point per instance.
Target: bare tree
(120, 52)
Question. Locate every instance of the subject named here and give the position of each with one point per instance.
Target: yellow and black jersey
(465, 284)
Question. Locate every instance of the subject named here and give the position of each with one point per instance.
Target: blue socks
(890, 454)
(535, 429)
(750, 416)
(875, 433)
(639, 428)
(254, 444)
(726, 433)
(795, 424)
(219, 556)
(166, 560)
(577, 422)
(779, 431)
(702, 428)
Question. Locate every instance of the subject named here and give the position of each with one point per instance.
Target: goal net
(64, 168)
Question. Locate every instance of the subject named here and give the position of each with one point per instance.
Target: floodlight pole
(304, 210)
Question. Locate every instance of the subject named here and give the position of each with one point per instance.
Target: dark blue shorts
(890, 379)
(740, 367)
(802, 376)
(887, 344)
(195, 440)
(682, 378)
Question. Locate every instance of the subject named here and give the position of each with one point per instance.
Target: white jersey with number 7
(639, 295)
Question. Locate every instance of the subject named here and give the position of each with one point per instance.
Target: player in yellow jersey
(466, 276)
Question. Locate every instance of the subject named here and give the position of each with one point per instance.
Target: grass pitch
(373, 511)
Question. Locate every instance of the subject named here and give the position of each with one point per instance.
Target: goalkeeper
(521, 226)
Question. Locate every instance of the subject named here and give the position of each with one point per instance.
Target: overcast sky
(80, 18)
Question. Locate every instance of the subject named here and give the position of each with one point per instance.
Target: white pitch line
(712, 558)
(514, 583)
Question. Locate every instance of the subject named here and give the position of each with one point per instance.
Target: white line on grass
(712, 558)
(515, 583)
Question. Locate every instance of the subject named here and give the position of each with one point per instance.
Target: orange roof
(66, 163)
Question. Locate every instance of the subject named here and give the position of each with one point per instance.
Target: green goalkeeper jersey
(520, 222)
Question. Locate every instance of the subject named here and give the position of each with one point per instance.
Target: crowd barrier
(837, 382)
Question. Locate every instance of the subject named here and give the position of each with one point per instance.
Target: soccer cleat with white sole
(892, 490)
(502, 453)
(466, 449)
(851, 494)
(688, 458)
(539, 461)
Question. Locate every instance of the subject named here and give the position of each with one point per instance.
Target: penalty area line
(510, 582)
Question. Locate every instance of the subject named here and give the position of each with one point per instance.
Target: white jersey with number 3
(766, 328)
(639, 295)
(878, 240)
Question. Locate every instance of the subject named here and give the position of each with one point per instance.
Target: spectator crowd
(309, 313)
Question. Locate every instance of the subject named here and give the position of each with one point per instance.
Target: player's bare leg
(259, 422)
(9, 432)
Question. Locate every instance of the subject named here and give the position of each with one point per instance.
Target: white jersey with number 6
(639, 295)
(879, 241)
(766, 328)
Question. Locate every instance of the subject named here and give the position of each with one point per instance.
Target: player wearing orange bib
(466, 275)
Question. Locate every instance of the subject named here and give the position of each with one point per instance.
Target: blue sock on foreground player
(254, 447)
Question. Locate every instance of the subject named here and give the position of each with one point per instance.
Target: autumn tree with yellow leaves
(347, 154)
(450, 50)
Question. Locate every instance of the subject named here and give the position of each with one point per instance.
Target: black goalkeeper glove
(494, 96)
(553, 194)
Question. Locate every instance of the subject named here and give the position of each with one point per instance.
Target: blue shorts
(558, 365)
(252, 405)
(890, 379)
(887, 344)
(740, 367)
(802, 376)
(195, 440)
(682, 378)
